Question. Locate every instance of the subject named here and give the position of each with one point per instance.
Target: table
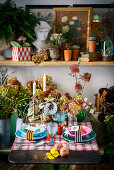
(87, 153)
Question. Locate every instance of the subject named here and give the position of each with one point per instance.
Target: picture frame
(44, 12)
(84, 17)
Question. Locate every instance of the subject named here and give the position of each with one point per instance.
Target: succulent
(15, 44)
(75, 47)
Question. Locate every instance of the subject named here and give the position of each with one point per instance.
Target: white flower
(65, 29)
(50, 108)
(64, 19)
(85, 99)
(66, 133)
(52, 38)
(41, 106)
(74, 18)
(71, 23)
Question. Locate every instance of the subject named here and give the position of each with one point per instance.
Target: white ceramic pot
(18, 123)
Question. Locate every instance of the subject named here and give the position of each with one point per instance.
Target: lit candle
(34, 88)
(44, 83)
(104, 47)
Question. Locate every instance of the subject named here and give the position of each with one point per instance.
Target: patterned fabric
(89, 146)
(78, 135)
(21, 54)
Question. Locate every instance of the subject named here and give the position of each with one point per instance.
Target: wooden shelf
(55, 63)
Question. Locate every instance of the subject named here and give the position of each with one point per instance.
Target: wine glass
(52, 129)
(60, 117)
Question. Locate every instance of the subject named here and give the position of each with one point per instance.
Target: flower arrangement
(21, 42)
(40, 56)
(55, 39)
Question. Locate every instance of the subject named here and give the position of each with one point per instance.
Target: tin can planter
(75, 54)
(67, 55)
(5, 125)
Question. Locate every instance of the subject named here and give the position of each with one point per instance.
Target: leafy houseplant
(15, 21)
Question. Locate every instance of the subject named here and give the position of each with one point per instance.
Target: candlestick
(34, 88)
(44, 83)
(104, 47)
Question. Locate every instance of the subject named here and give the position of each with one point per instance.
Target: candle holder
(33, 117)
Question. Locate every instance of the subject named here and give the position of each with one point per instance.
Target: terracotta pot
(92, 46)
(67, 55)
(75, 54)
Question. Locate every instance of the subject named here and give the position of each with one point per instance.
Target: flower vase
(54, 54)
(81, 115)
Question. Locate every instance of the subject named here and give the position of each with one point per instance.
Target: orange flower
(86, 77)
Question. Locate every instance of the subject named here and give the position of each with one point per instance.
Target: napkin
(78, 135)
(29, 134)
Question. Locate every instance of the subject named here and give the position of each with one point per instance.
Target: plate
(85, 131)
(39, 130)
(87, 138)
(21, 135)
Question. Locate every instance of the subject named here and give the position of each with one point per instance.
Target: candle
(104, 46)
(34, 88)
(44, 83)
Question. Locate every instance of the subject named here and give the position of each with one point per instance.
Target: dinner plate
(21, 135)
(39, 130)
(87, 138)
(85, 131)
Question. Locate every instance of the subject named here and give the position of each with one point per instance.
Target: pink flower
(74, 68)
(86, 77)
(22, 38)
(78, 87)
(80, 102)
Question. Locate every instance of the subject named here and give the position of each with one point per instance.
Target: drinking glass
(52, 129)
(60, 117)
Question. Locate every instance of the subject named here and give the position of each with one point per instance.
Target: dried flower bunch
(13, 98)
(40, 56)
(21, 42)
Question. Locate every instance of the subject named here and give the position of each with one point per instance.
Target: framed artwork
(74, 19)
(43, 12)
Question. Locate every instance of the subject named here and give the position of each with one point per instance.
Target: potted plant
(92, 44)
(67, 54)
(21, 49)
(109, 120)
(15, 21)
(6, 110)
(75, 52)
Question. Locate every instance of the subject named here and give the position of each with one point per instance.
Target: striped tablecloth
(89, 146)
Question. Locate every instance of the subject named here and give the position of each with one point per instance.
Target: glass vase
(81, 115)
